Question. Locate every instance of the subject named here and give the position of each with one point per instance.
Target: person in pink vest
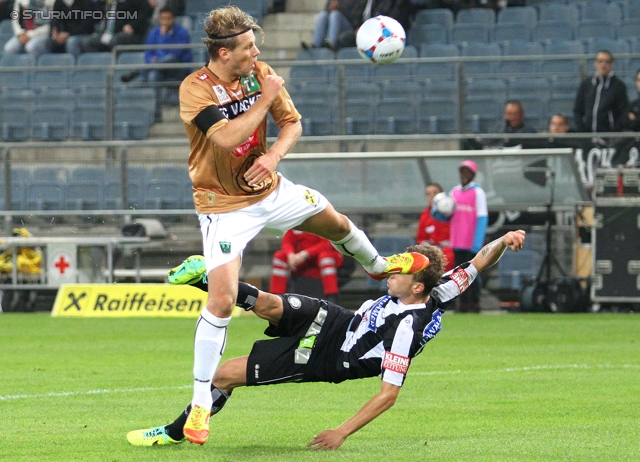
(468, 228)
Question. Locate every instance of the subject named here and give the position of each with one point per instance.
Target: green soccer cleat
(156, 436)
(190, 271)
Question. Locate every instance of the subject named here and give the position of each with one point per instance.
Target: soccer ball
(380, 40)
(444, 204)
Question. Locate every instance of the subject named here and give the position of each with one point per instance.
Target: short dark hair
(606, 52)
(437, 185)
(559, 114)
(167, 9)
(516, 102)
(437, 263)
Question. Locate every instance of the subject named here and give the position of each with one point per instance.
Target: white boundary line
(58, 394)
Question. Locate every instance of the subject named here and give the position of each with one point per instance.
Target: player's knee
(221, 305)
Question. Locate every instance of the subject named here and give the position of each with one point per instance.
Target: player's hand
(271, 86)
(294, 259)
(514, 239)
(261, 170)
(328, 439)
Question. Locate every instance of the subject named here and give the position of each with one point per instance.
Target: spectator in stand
(558, 124)
(306, 254)
(68, 29)
(31, 32)
(468, 228)
(514, 118)
(432, 231)
(339, 16)
(128, 26)
(632, 121)
(601, 101)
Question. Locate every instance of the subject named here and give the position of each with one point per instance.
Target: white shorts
(225, 235)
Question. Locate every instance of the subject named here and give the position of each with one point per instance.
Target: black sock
(174, 429)
(247, 296)
(201, 285)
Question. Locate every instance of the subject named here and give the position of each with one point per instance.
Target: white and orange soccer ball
(380, 40)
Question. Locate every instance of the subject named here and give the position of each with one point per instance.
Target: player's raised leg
(349, 240)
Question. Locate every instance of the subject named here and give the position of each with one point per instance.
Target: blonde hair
(223, 26)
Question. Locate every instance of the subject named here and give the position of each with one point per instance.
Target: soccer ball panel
(380, 40)
(444, 204)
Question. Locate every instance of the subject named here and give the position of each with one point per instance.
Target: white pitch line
(531, 368)
(57, 394)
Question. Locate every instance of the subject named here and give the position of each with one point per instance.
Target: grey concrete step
(312, 6)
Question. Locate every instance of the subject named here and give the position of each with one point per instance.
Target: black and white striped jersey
(385, 334)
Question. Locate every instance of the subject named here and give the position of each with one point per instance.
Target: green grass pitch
(518, 387)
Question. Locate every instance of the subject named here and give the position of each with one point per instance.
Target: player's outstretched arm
(333, 439)
(491, 253)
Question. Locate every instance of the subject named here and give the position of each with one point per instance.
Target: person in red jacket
(432, 231)
(305, 254)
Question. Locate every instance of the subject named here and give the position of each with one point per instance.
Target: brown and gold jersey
(206, 105)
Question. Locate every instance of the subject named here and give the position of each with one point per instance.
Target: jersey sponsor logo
(461, 278)
(221, 94)
(235, 108)
(210, 198)
(250, 84)
(294, 302)
(375, 311)
(311, 197)
(225, 247)
(249, 143)
(203, 76)
(395, 363)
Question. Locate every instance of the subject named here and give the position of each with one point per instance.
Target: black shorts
(276, 360)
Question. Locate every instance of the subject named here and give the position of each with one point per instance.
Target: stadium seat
(614, 46)
(553, 11)
(520, 68)
(481, 114)
(561, 105)
(163, 194)
(15, 123)
(88, 123)
(630, 28)
(359, 117)
(489, 87)
(45, 195)
(128, 58)
(565, 67)
(631, 9)
(477, 50)
(428, 34)
(484, 16)
(401, 91)
(523, 14)
(442, 70)
(6, 27)
(393, 117)
(251, 7)
(84, 195)
(318, 118)
(535, 110)
(438, 115)
(409, 52)
(398, 72)
(44, 174)
(356, 92)
(315, 54)
(169, 173)
(360, 71)
(91, 78)
(131, 122)
(469, 33)
(549, 30)
(511, 32)
(91, 97)
(61, 97)
(435, 88)
(527, 87)
(137, 96)
(318, 93)
(113, 196)
(560, 86)
(16, 80)
(595, 28)
(49, 123)
(21, 98)
(89, 174)
(516, 267)
(311, 73)
(601, 11)
(44, 78)
(442, 16)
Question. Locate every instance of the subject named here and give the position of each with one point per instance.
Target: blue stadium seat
(393, 117)
(316, 92)
(16, 80)
(483, 67)
(91, 97)
(137, 96)
(318, 118)
(315, 54)
(113, 196)
(91, 78)
(356, 92)
(22, 98)
(511, 32)
(163, 194)
(428, 34)
(360, 71)
(84, 195)
(481, 114)
(565, 67)
(560, 86)
(359, 117)
(45, 78)
(601, 11)
(45, 174)
(484, 16)
(436, 88)
(131, 122)
(631, 9)
(469, 33)
(614, 46)
(20, 179)
(535, 110)
(595, 28)
(401, 91)
(49, 123)
(399, 71)
(45, 195)
(88, 123)
(409, 52)
(630, 28)
(517, 267)
(519, 68)
(169, 173)
(553, 11)
(526, 87)
(489, 87)
(6, 27)
(15, 123)
(549, 30)
(523, 14)
(442, 16)
(251, 7)
(438, 115)
(128, 58)
(443, 70)
(61, 97)
(311, 73)
(89, 174)
(561, 105)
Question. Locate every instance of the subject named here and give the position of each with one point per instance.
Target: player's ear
(418, 287)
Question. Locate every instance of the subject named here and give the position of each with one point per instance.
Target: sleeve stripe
(207, 118)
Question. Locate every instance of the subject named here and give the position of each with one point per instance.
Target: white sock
(357, 245)
(210, 339)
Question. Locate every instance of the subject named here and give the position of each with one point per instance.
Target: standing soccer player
(237, 192)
